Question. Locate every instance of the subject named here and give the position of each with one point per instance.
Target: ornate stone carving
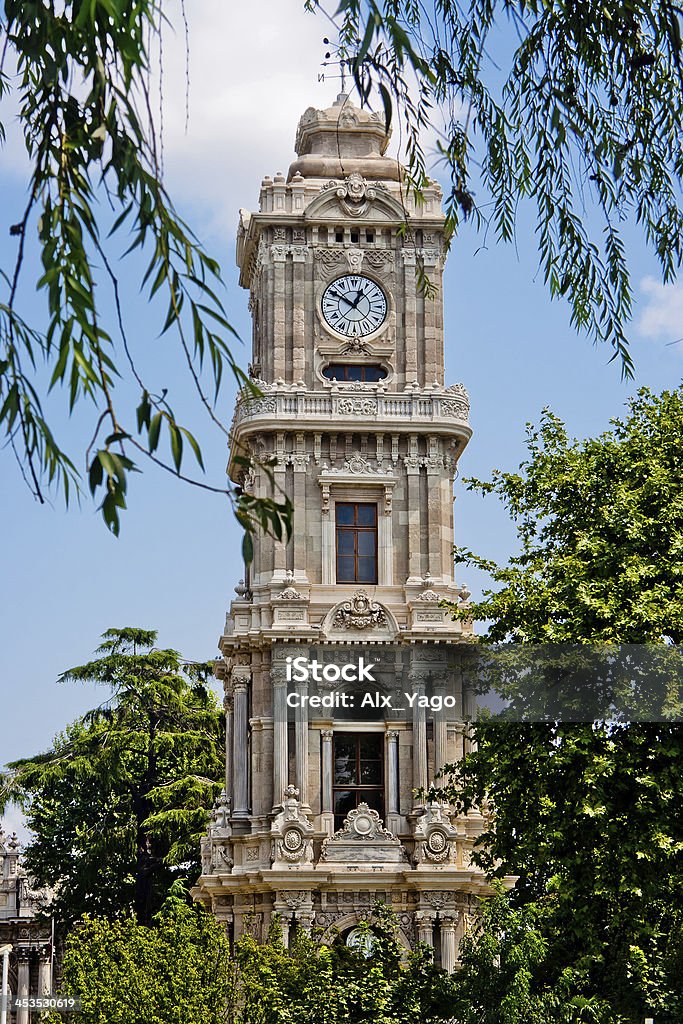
(428, 595)
(354, 258)
(357, 406)
(327, 261)
(355, 194)
(289, 594)
(359, 613)
(290, 833)
(294, 898)
(435, 837)
(363, 839)
(358, 464)
(378, 259)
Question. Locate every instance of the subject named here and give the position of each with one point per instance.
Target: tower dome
(341, 140)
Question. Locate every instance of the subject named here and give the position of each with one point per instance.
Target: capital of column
(327, 735)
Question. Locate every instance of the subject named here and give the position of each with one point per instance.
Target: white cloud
(662, 315)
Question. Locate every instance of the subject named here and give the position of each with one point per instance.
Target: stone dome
(341, 139)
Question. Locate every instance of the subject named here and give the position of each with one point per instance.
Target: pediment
(363, 839)
(355, 197)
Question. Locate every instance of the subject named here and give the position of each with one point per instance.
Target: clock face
(354, 306)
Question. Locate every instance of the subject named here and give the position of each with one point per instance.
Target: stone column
(440, 738)
(280, 751)
(241, 747)
(227, 705)
(280, 481)
(23, 977)
(434, 509)
(301, 747)
(299, 534)
(329, 568)
(448, 944)
(425, 926)
(419, 741)
(393, 802)
(412, 465)
(410, 299)
(44, 975)
(326, 795)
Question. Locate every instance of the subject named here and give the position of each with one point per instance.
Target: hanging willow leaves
(80, 76)
(572, 111)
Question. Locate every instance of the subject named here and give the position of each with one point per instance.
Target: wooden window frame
(356, 530)
(359, 789)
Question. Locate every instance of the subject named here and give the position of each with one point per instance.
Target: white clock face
(354, 305)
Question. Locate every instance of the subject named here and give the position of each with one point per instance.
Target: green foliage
(570, 109)
(600, 528)
(587, 815)
(118, 804)
(85, 113)
(587, 818)
(314, 983)
(176, 972)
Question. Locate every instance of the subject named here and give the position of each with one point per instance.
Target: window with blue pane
(356, 536)
(366, 374)
(358, 773)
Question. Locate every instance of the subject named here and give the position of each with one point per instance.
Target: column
(301, 747)
(44, 975)
(412, 465)
(326, 782)
(299, 535)
(434, 509)
(419, 741)
(240, 748)
(440, 738)
(280, 752)
(328, 541)
(448, 945)
(393, 804)
(410, 299)
(23, 983)
(227, 706)
(280, 482)
(425, 926)
(385, 540)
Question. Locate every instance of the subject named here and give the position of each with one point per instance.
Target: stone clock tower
(322, 812)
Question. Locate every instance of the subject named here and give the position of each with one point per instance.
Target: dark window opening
(369, 236)
(358, 773)
(356, 539)
(355, 237)
(339, 236)
(368, 374)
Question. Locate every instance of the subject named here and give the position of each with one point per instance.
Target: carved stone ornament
(357, 406)
(354, 193)
(363, 839)
(289, 594)
(428, 595)
(435, 837)
(359, 613)
(290, 833)
(358, 464)
(220, 816)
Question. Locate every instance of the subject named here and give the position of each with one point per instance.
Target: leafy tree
(587, 815)
(176, 972)
(572, 110)
(118, 804)
(82, 85)
(600, 531)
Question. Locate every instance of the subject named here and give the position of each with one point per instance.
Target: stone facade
(31, 958)
(344, 417)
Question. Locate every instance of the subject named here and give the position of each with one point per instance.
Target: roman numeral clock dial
(354, 306)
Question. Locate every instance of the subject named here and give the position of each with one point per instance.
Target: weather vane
(334, 59)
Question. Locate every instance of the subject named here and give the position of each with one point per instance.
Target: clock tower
(340, 704)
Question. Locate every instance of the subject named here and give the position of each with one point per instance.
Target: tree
(586, 815)
(600, 532)
(118, 804)
(176, 972)
(85, 114)
(574, 108)
(581, 113)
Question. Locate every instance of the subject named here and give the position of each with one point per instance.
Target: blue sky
(66, 580)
